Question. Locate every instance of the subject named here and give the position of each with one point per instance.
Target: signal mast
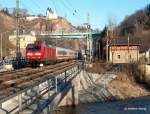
(18, 53)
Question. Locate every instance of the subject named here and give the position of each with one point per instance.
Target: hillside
(55, 25)
(137, 25)
(8, 23)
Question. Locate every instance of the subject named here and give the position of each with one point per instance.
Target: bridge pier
(72, 96)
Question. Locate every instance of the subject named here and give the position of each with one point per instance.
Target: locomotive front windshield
(34, 48)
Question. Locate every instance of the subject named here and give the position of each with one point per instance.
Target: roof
(124, 41)
(50, 10)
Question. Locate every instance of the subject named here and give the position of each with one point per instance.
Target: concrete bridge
(60, 89)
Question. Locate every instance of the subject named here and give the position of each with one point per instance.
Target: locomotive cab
(33, 54)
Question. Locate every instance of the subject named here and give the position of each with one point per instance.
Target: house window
(118, 56)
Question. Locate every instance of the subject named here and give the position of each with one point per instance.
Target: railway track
(14, 71)
(20, 79)
(27, 71)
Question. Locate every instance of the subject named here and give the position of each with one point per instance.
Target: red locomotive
(39, 54)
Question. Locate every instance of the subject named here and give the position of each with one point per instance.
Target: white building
(50, 14)
(25, 39)
(30, 18)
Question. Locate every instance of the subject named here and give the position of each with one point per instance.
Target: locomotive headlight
(29, 54)
(38, 54)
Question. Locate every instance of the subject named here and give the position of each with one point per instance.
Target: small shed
(124, 50)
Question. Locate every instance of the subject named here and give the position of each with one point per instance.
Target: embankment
(131, 82)
(123, 87)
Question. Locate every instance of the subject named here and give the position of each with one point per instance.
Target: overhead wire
(54, 6)
(57, 6)
(67, 8)
(38, 7)
(60, 9)
(66, 4)
(73, 10)
(70, 5)
(25, 6)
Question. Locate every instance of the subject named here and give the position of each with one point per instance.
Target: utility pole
(107, 45)
(128, 49)
(5, 35)
(1, 48)
(62, 29)
(18, 54)
(90, 43)
(89, 38)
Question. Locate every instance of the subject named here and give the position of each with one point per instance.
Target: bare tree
(112, 25)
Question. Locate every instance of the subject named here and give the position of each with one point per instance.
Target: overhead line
(68, 8)
(31, 10)
(54, 6)
(74, 10)
(37, 5)
(72, 6)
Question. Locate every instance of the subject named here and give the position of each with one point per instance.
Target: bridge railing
(3, 111)
(71, 32)
(44, 88)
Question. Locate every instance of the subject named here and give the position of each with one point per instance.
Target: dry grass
(123, 77)
(133, 72)
(98, 67)
(125, 87)
(130, 83)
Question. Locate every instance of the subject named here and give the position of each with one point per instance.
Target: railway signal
(1, 47)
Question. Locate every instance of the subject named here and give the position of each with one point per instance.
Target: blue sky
(99, 10)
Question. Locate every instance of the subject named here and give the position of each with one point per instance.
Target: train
(40, 54)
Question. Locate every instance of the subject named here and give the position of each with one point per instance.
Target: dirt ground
(123, 87)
